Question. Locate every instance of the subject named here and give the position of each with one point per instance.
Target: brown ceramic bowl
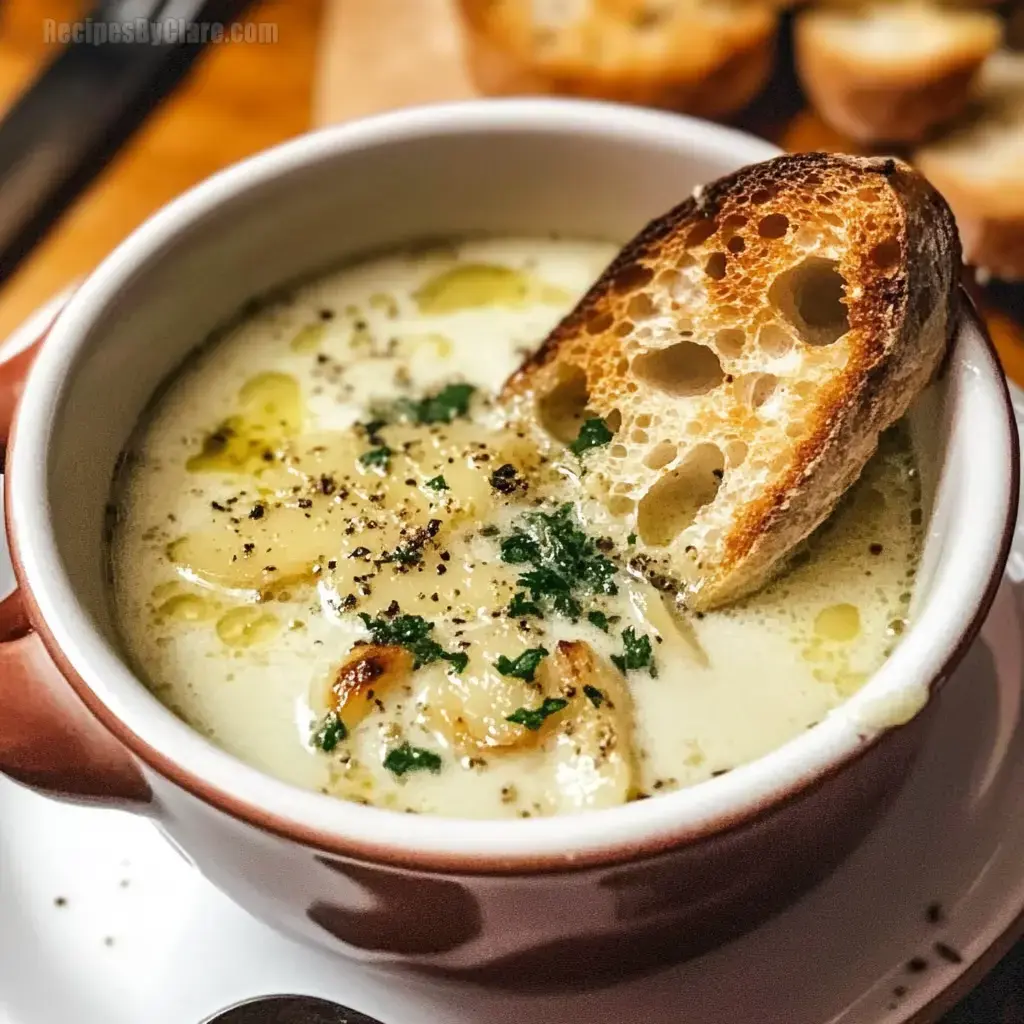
(574, 898)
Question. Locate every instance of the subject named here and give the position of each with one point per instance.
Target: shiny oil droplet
(476, 285)
(849, 682)
(187, 608)
(839, 622)
(384, 303)
(247, 626)
(270, 411)
(309, 338)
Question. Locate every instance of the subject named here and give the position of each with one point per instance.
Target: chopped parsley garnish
(404, 554)
(377, 457)
(593, 434)
(594, 695)
(490, 530)
(533, 718)
(413, 633)
(437, 483)
(598, 619)
(524, 666)
(446, 405)
(565, 563)
(631, 539)
(407, 758)
(519, 607)
(637, 653)
(372, 430)
(330, 732)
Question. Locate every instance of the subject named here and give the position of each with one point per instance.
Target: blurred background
(112, 109)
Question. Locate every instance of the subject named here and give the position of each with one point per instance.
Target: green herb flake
(631, 539)
(490, 530)
(372, 428)
(407, 758)
(593, 434)
(403, 555)
(564, 562)
(330, 732)
(437, 483)
(519, 607)
(377, 457)
(413, 633)
(450, 402)
(533, 718)
(594, 695)
(637, 653)
(598, 619)
(524, 666)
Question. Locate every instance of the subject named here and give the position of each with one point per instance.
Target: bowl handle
(48, 738)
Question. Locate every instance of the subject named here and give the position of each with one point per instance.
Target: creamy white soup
(338, 559)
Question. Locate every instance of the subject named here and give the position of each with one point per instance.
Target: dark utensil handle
(64, 129)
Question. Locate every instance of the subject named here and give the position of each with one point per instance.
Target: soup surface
(337, 558)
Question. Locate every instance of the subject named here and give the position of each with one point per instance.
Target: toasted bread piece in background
(747, 349)
(892, 72)
(979, 167)
(705, 57)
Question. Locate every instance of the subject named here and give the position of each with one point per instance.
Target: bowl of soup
(292, 584)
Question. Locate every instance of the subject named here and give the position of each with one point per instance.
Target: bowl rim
(172, 750)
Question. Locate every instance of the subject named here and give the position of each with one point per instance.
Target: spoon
(290, 1010)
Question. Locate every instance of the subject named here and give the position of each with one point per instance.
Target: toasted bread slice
(707, 57)
(892, 72)
(747, 349)
(979, 168)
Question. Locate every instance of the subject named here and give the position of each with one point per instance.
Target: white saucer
(102, 922)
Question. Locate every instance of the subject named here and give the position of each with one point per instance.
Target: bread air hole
(660, 455)
(729, 341)
(683, 369)
(810, 297)
(886, 254)
(773, 341)
(672, 504)
(563, 409)
(754, 389)
(715, 266)
(775, 225)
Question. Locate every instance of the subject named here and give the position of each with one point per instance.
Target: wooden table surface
(245, 97)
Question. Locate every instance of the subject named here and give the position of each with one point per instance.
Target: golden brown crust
(705, 64)
(902, 97)
(976, 166)
(894, 245)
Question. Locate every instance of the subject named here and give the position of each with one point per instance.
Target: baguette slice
(706, 57)
(747, 349)
(979, 168)
(892, 72)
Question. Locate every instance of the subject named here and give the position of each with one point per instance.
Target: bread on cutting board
(892, 72)
(705, 57)
(746, 350)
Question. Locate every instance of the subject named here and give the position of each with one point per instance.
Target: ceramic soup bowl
(542, 900)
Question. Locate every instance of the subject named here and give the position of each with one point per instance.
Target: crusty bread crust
(737, 278)
(977, 167)
(695, 61)
(891, 96)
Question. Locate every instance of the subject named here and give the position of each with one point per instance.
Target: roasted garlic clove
(592, 749)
